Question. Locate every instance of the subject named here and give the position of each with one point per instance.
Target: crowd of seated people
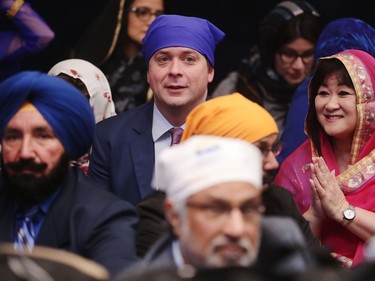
(183, 184)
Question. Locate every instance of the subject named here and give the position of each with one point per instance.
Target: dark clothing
(122, 160)
(279, 202)
(84, 220)
(128, 80)
(153, 223)
(261, 84)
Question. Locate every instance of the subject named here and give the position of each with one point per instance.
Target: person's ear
(172, 216)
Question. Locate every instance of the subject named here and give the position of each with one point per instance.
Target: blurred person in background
(121, 27)
(93, 84)
(23, 33)
(280, 60)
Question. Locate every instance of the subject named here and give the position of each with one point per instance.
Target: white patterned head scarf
(95, 81)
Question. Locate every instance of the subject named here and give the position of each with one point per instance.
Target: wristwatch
(349, 213)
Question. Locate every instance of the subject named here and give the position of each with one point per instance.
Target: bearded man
(44, 124)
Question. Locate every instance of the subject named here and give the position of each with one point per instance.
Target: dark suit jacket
(122, 158)
(279, 202)
(283, 251)
(85, 220)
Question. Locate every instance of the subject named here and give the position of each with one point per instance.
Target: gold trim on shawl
(358, 174)
(352, 68)
(117, 30)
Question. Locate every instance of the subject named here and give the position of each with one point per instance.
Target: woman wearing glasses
(120, 28)
(281, 59)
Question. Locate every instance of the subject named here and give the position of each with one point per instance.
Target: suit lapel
(6, 218)
(142, 150)
(55, 229)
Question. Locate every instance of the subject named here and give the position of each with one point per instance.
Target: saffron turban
(181, 31)
(230, 116)
(62, 105)
(204, 161)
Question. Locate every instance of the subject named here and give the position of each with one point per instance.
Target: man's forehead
(176, 50)
(228, 191)
(27, 119)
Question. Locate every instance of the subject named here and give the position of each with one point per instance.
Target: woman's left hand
(332, 199)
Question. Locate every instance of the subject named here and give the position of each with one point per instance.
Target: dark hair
(324, 68)
(76, 82)
(109, 29)
(288, 21)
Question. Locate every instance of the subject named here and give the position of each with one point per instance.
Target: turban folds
(62, 105)
(230, 116)
(204, 161)
(181, 31)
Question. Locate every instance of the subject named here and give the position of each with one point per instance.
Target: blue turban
(180, 31)
(63, 106)
(345, 33)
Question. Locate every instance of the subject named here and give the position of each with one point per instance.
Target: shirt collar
(160, 125)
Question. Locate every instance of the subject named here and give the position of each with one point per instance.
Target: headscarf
(361, 68)
(63, 106)
(204, 161)
(343, 34)
(181, 31)
(358, 181)
(95, 81)
(230, 116)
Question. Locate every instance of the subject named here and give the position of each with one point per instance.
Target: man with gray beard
(213, 205)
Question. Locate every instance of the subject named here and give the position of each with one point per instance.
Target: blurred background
(237, 18)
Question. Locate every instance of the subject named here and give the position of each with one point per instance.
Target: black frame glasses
(276, 149)
(220, 210)
(290, 56)
(144, 13)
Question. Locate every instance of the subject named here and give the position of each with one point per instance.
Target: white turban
(203, 161)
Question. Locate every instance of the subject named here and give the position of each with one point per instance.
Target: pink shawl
(358, 181)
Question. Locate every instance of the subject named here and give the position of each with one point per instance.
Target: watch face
(349, 214)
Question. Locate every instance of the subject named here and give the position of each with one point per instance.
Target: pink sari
(358, 181)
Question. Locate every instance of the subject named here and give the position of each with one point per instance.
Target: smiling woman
(332, 174)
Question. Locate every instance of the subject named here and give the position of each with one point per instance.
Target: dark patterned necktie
(176, 134)
(25, 239)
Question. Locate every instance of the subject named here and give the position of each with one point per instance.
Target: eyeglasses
(276, 148)
(144, 13)
(219, 210)
(289, 56)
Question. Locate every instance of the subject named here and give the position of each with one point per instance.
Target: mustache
(242, 243)
(26, 165)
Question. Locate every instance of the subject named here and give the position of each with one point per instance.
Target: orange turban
(230, 116)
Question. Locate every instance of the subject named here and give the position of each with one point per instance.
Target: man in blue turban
(45, 122)
(179, 53)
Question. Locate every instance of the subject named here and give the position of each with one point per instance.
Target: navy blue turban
(345, 33)
(63, 106)
(181, 31)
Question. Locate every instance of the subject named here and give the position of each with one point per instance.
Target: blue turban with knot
(61, 104)
(181, 31)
